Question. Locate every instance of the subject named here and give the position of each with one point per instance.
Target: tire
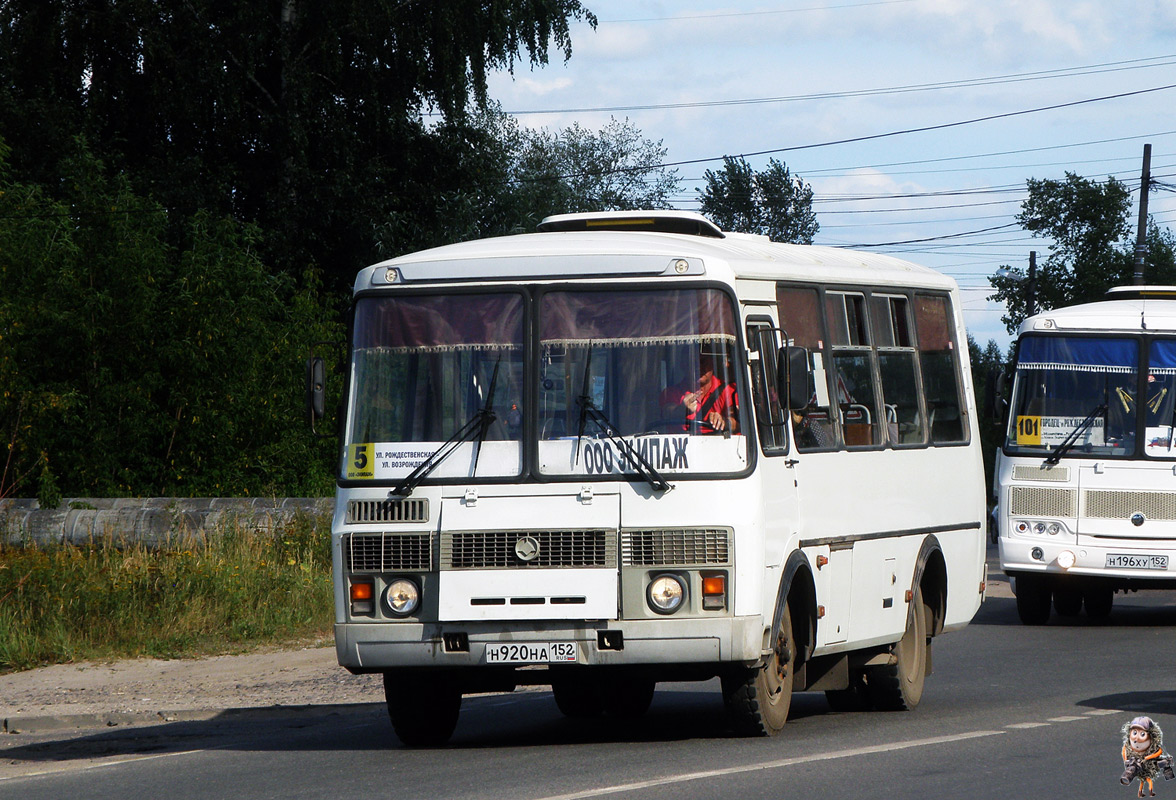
(1033, 599)
(758, 699)
(423, 708)
(1067, 602)
(578, 698)
(1099, 602)
(899, 686)
(628, 698)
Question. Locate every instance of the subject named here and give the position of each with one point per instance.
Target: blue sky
(823, 71)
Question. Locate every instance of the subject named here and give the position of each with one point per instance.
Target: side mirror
(315, 390)
(994, 396)
(795, 377)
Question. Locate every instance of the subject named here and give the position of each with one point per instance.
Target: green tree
(577, 169)
(132, 366)
(518, 176)
(305, 117)
(1091, 245)
(771, 202)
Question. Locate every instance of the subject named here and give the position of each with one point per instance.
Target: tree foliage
(130, 365)
(1091, 249)
(302, 116)
(518, 176)
(771, 202)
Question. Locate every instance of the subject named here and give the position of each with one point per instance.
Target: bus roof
(643, 244)
(1126, 309)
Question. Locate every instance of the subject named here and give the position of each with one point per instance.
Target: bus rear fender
(931, 576)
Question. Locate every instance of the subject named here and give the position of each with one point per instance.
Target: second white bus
(634, 448)
(1086, 479)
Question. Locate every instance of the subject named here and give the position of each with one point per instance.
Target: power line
(963, 83)
(875, 136)
(756, 13)
(992, 155)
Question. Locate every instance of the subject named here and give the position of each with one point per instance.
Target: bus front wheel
(758, 699)
(1033, 599)
(423, 708)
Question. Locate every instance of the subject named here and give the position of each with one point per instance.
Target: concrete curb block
(128, 719)
(147, 520)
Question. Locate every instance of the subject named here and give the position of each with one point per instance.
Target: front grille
(1111, 504)
(1024, 472)
(389, 552)
(656, 548)
(409, 510)
(496, 549)
(1031, 501)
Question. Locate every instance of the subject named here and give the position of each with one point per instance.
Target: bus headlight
(1066, 559)
(402, 597)
(666, 593)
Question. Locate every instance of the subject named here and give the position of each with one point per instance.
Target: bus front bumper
(1020, 555)
(372, 647)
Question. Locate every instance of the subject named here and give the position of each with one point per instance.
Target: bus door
(777, 468)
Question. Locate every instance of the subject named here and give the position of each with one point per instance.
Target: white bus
(1085, 486)
(575, 458)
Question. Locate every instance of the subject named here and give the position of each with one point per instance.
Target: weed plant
(227, 590)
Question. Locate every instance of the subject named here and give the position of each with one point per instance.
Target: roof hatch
(683, 222)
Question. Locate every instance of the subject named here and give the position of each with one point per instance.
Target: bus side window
(800, 316)
(937, 357)
(861, 424)
(898, 369)
(769, 417)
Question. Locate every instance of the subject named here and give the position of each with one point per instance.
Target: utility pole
(1031, 286)
(1141, 231)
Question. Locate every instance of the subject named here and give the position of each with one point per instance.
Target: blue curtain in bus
(1078, 354)
(1163, 356)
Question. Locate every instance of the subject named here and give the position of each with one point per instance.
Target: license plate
(530, 652)
(1126, 561)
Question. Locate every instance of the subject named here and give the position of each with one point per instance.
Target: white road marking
(766, 765)
(1102, 712)
(1026, 725)
(1067, 719)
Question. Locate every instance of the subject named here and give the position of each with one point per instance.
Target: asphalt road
(1010, 712)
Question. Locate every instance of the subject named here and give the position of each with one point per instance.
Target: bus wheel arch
(931, 578)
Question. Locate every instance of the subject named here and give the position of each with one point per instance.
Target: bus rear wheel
(1033, 599)
(578, 698)
(629, 698)
(1067, 602)
(423, 708)
(1099, 601)
(758, 700)
(899, 686)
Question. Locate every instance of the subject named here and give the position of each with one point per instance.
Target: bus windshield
(1091, 391)
(423, 368)
(657, 365)
(627, 380)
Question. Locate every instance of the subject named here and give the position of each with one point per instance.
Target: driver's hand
(716, 420)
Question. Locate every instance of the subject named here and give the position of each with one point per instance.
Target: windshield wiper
(1068, 443)
(474, 428)
(646, 470)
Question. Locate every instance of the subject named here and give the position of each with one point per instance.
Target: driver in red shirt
(712, 406)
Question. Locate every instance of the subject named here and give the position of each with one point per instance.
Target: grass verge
(232, 589)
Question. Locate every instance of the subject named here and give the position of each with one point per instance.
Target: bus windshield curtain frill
(636, 318)
(440, 323)
(1078, 354)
